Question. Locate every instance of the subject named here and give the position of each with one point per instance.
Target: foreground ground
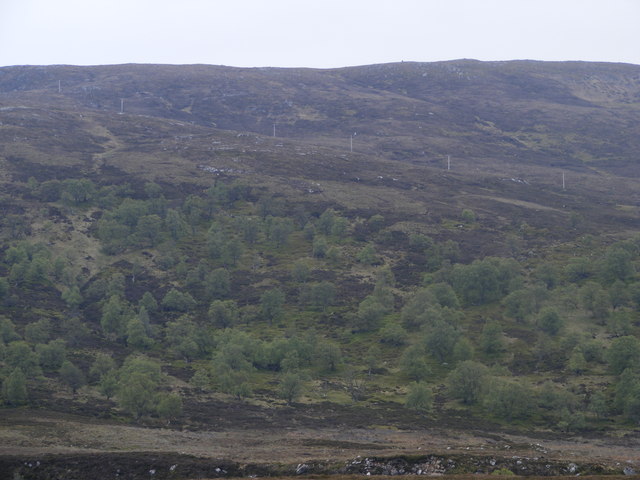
(63, 441)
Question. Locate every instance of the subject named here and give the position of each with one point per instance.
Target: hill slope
(226, 248)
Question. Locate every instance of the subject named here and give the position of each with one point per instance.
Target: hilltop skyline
(285, 33)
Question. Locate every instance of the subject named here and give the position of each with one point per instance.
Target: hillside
(334, 252)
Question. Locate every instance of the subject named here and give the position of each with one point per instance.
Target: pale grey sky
(315, 33)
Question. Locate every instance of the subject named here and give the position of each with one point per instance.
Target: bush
(178, 301)
(467, 381)
(419, 397)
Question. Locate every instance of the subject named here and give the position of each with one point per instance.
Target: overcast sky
(315, 33)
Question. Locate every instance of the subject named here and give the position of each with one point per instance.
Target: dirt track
(28, 433)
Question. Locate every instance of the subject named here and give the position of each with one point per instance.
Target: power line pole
(448, 162)
(59, 87)
(274, 129)
(351, 141)
(563, 186)
(122, 105)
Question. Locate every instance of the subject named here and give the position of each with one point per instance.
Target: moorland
(217, 271)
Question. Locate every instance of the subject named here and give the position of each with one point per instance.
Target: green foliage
(503, 472)
(369, 315)
(300, 271)
(599, 405)
(393, 334)
(175, 224)
(149, 302)
(223, 313)
(114, 317)
(491, 340)
(250, 228)
(108, 384)
(201, 380)
(176, 301)
(320, 247)
(327, 356)
(440, 340)
(627, 395)
(8, 330)
(14, 388)
(623, 353)
(577, 364)
(550, 321)
(78, 191)
(322, 295)
(467, 381)
(325, 222)
(579, 269)
(38, 332)
(72, 297)
(138, 379)
(507, 399)
(290, 387)
(278, 230)
(340, 227)
(20, 355)
(271, 304)
(102, 364)
(419, 397)
(596, 300)
(74, 331)
(72, 376)
(152, 190)
(519, 304)
(4, 288)
(462, 350)
(116, 285)
(413, 363)
(148, 230)
(444, 295)
(113, 235)
(416, 311)
(52, 355)
(217, 283)
(226, 226)
(367, 255)
(375, 222)
(484, 281)
(169, 406)
(137, 334)
(186, 340)
(468, 216)
(617, 264)
(556, 399)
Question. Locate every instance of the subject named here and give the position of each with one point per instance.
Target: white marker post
(351, 140)
(563, 186)
(448, 162)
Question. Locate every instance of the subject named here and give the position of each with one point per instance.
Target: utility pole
(563, 181)
(121, 105)
(59, 87)
(274, 129)
(448, 162)
(351, 141)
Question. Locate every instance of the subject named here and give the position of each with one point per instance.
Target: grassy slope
(532, 128)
